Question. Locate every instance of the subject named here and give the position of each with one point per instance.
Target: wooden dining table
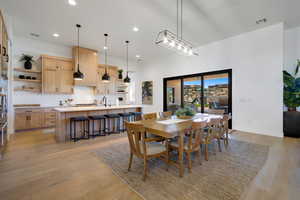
(174, 127)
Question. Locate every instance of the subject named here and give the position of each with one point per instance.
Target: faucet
(104, 101)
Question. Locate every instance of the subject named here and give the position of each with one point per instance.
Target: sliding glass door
(204, 91)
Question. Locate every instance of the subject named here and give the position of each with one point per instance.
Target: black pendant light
(78, 75)
(105, 77)
(127, 79)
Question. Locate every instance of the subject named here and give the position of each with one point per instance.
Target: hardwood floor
(36, 167)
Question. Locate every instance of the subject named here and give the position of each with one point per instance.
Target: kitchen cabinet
(88, 62)
(26, 119)
(110, 87)
(57, 75)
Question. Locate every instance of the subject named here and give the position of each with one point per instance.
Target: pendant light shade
(78, 75)
(105, 77)
(127, 79)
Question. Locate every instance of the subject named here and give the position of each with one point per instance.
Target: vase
(28, 65)
(291, 121)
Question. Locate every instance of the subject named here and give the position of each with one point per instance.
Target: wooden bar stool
(102, 125)
(114, 120)
(85, 128)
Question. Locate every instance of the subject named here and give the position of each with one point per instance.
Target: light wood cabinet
(88, 62)
(57, 75)
(110, 87)
(34, 119)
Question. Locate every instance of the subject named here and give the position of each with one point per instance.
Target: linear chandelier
(174, 41)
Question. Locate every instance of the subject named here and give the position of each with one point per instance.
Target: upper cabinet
(57, 75)
(88, 62)
(4, 57)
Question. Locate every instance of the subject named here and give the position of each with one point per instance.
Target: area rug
(224, 177)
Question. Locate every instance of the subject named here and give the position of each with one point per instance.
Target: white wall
(36, 48)
(256, 60)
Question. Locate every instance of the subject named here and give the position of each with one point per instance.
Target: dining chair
(149, 116)
(144, 148)
(216, 111)
(192, 142)
(165, 115)
(212, 134)
(225, 130)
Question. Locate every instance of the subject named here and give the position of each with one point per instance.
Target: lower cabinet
(26, 119)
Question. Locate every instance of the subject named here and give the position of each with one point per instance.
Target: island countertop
(94, 108)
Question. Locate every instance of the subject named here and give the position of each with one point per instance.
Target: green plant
(26, 57)
(120, 71)
(186, 111)
(291, 90)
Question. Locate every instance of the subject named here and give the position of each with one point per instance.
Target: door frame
(228, 71)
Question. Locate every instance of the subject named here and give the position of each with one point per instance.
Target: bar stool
(124, 117)
(113, 119)
(136, 116)
(85, 128)
(102, 125)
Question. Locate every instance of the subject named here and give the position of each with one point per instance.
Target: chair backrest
(166, 115)
(216, 111)
(136, 136)
(225, 122)
(149, 116)
(196, 135)
(214, 128)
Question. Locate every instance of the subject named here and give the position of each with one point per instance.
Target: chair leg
(130, 161)
(198, 154)
(145, 169)
(206, 152)
(188, 155)
(219, 144)
(167, 155)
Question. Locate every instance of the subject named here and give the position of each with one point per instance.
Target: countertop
(93, 108)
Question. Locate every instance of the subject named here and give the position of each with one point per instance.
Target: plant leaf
(297, 68)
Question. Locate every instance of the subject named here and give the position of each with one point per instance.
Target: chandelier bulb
(165, 40)
(179, 47)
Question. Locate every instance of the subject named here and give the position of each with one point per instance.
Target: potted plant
(185, 113)
(120, 71)
(28, 61)
(291, 98)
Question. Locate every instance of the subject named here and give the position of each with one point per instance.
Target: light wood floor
(36, 167)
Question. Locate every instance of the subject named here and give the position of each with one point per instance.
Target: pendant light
(105, 77)
(78, 75)
(175, 42)
(127, 79)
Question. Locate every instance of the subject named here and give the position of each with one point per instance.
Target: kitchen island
(63, 115)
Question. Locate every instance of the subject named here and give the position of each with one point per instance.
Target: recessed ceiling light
(137, 56)
(34, 35)
(72, 2)
(55, 35)
(135, 29)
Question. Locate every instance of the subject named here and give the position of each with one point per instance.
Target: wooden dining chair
(216, 111)
(212, 134)
(165, 115)
(144, 148)
(149, 116)
(191, 143)
(225, 128)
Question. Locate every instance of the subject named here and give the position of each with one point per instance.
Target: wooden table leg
(180, 158)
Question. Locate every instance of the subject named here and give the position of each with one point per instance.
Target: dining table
(175, 127)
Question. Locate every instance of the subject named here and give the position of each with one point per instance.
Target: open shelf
(35, 90)
(27, 80)
(26, 71)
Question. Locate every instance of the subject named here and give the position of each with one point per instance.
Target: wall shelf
(35, 90)
(27, 80)
(26, 71)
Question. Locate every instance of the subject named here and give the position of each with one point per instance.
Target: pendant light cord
(177, 25)
(78, 26)
(105, 52)
(181, 18)
(127, 42)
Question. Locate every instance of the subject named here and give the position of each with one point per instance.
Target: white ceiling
(204, 21)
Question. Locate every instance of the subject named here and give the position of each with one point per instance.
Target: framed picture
(147, 92)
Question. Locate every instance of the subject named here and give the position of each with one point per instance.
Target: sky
(208, 82)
